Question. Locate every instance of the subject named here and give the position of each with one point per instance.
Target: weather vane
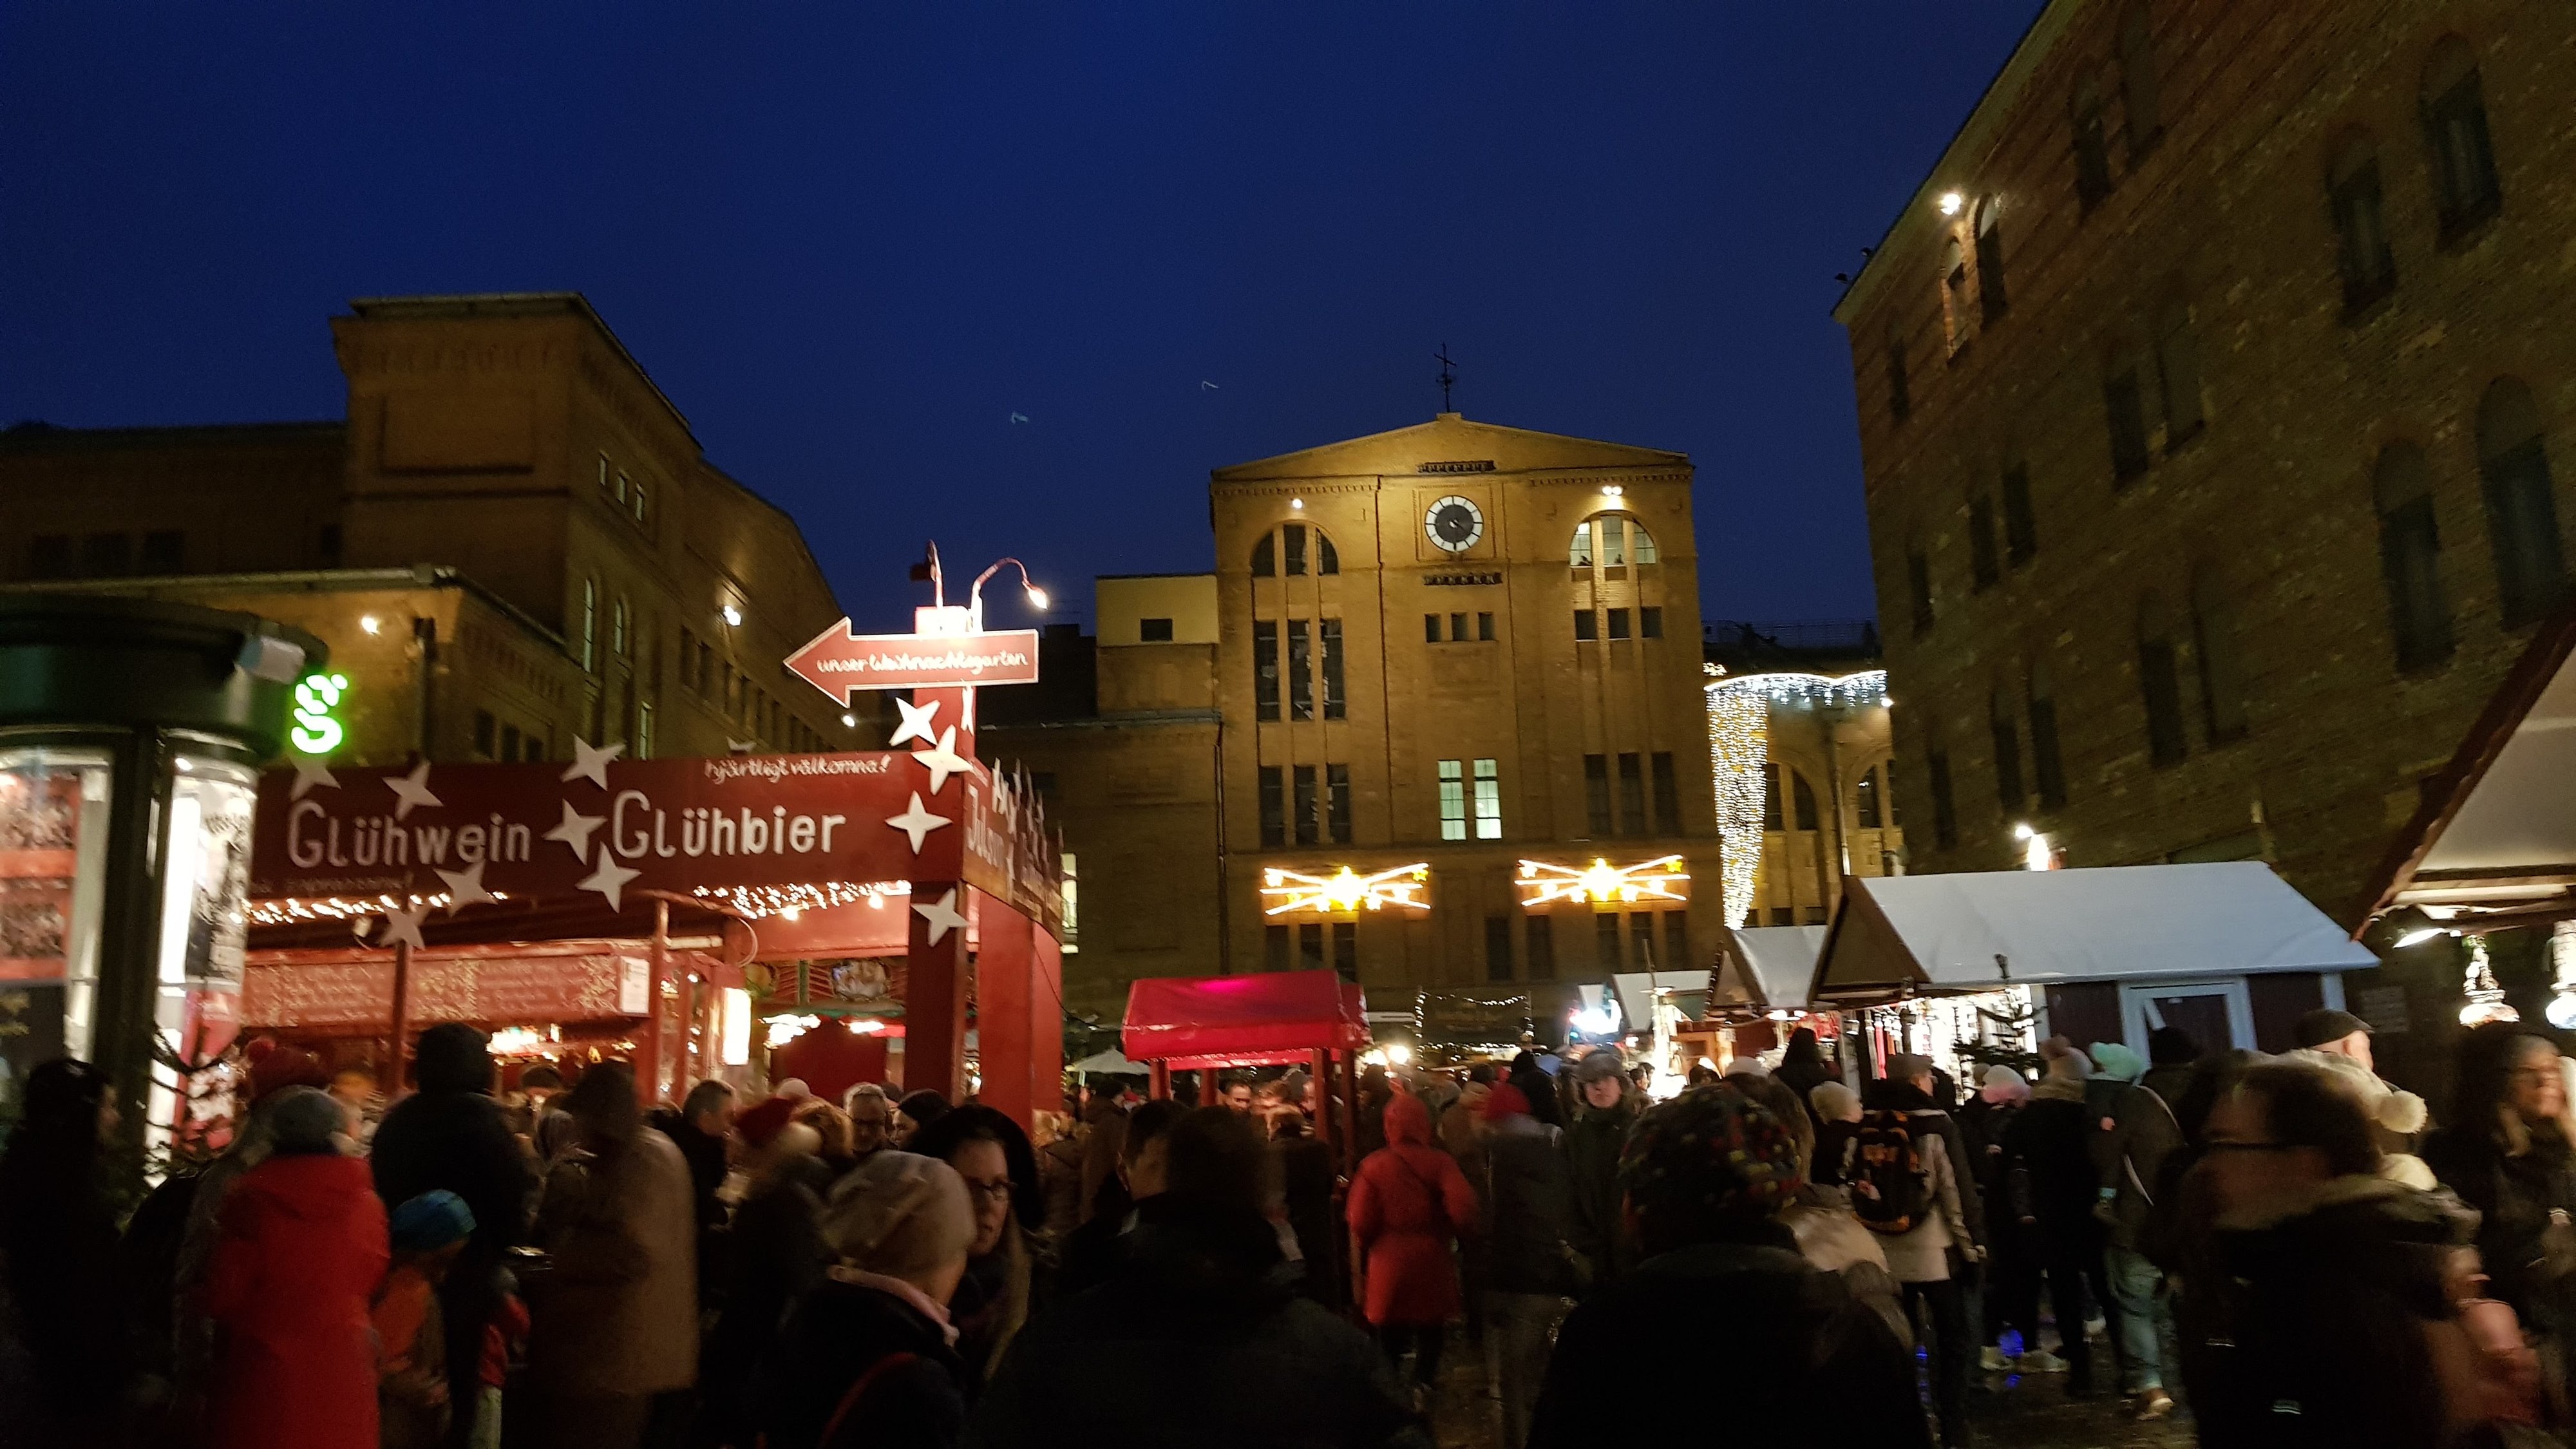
(1448, 376)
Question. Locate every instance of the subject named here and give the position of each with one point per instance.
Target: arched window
(2361, 224)
(2465, 187)
(2047, 766)
(1802, 799)
(2138, 82)
(2092, 151)
(2178, 374)
(2410, 556)
(1990, 261)
(1771, 818)
(1613, 540)
(1292, 549)
(2007, 737)
(1954, 292)
(2160, 683)
(2522, 509)
(1866, 793)
(2213, 644)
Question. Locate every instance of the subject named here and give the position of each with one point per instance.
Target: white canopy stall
(1762, 969)
(2227, 951)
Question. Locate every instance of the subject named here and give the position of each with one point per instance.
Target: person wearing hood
(2055, 1181)
(2138, 1132)
(1929, 1249)
(1803, 1068)
(868, 1356)
(776, 1254)
(292, 1286)
(1605, 1108)
(1529, 1271)
(2322, 1318)
(451, 1136)
(1538, 1088)
(1199, 1338)
(2507, 1154)
(615, 1338)
(1408, 1206)
(1706, 1175)
(58, 1260)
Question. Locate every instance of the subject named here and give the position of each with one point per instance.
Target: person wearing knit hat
(2115, 1061)
(1606, 1106)
(1528, 1195)
(2010, 1296)
(2137, 1133)
(916, 1111)
(871, 1344)
(1706, 1177)
(411, 1350)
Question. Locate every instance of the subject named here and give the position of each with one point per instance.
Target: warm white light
(1399, 1053)
(2023, 831)
(733, 1047)
(369, 623)
(1886, 701)
(2418, 935)
(732, 615)
(849, 721)
(1037, 596)
(1951, 201)
(792, 912)
(863, 1025)
(1613, 490)
(1297, 503)
(784, 1029)
(1346, 890)
(1373, 1058)
(2040, 856)
(1602, 882)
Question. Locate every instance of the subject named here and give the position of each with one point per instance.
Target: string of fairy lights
(1739, 745)
(761, 902)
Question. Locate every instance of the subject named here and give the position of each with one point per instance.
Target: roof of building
(42, 437)
(1448, 444)
(514, 304)
(1768, 967)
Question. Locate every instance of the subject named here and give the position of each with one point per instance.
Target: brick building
(1457, 659)
(512, 539)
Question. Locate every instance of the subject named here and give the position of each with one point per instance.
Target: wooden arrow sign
(841, 663)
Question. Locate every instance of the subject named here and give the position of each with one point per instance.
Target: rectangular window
(2126, 408)
(1668, 795)
(1771, 796)
(1802, 801)
(1865, 800)
(643, 511)
(1538, 937)
(1431, 628)
(1293, 539)
(1650, 621)
(510, 743)
(1498, 948)
(1587, 624)
(1983, 567)
(1453, 800)
(1632, 794)
(1337, 703)
(617, 628)
(1154, 631)
(1783, 916)
(2178, 370)
(1265, 670)
(1596, 795)
(1337, 803)
(1307, 806)
(1489, 800)
(1618, 623)
(1263, 557)
(1614, 544)
(1458, 627)
(163, 551)
(603, 472)
(1346, 950)
(1274, 806)
(1677, 951)
(621, 487)
(1276, 946)
(1485, 628)
(1301, 672)
(1945, 815)
(590, 625)
(644, 730)
(2021, 529)
(1605, 941)
(1641, 939)
(1582, 555)
(486, 734)
(1310, 946)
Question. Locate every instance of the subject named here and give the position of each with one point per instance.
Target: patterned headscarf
(1710, 1160)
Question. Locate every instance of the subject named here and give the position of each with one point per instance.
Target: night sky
(852, 241)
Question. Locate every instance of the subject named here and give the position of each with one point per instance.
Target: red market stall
(1204, 1023)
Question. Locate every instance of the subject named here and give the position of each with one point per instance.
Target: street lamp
(975, 595)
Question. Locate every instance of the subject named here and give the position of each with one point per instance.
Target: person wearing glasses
(1000, 1169)
(2322, 1298)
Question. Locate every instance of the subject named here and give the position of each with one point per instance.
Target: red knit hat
(275, 1066)
(1505, 1100)
(761, 1124)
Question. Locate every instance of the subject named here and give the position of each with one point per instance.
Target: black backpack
(1891, 1189)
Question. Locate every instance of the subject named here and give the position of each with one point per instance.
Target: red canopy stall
(1199, 1023)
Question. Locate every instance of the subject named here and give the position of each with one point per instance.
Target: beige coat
(618, 1312)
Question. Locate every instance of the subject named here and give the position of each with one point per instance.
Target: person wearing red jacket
(1408, 1205)
(296, 1264)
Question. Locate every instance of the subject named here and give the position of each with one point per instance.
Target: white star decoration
(918, 721)
(312, 771)
(411, 789)
(465, 887)
(916, 822)
(943, 760)
(575, 830)
(403, 928)
(590, 761)
(609, 879)
(941, 914)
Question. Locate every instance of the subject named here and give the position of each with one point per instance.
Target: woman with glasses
(993, 1155)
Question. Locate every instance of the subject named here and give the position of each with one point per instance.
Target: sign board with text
(841, 663)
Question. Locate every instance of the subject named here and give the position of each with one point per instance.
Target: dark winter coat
(58, 1249)
(1598, 1225)
(291, 1290)
(777, 1257)
(2048, 1157)
(1787, 1347)
(833, 1340)
(1529, 1199)
(2514, 1197)
(1198, 1341)
(1803, 1068)
(2130, 1156)
(1306, 1180)
(1539, 1089)
(2311, 1330)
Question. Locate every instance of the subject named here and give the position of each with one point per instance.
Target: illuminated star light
(1601, 882)
(917, 822)
(941, 915)
(942, 760)
(1346, 889)
(465, 887)
(574, 830)
(609, 879)
(918, 722)
(590, 762)
(312, 771)
(411, 789)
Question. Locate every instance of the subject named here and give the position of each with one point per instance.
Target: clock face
(1454, 523)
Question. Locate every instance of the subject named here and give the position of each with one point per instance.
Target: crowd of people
(2258, 1240)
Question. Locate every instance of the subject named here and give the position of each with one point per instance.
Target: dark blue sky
(851, 240)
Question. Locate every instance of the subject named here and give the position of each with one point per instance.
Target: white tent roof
(1943, 933)
(1637, 992)
(1108, 1064)
(1778, 964)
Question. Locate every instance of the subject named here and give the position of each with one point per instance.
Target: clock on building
(1454, 523)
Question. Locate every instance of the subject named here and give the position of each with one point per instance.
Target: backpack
(1891, 1189)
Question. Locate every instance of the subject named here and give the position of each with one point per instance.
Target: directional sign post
(841, 663)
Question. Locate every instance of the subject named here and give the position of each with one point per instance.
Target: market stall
(1279, 1018)
(1758, 990)
(2227, 951)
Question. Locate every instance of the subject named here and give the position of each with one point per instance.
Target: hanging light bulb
(2486, 1002)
